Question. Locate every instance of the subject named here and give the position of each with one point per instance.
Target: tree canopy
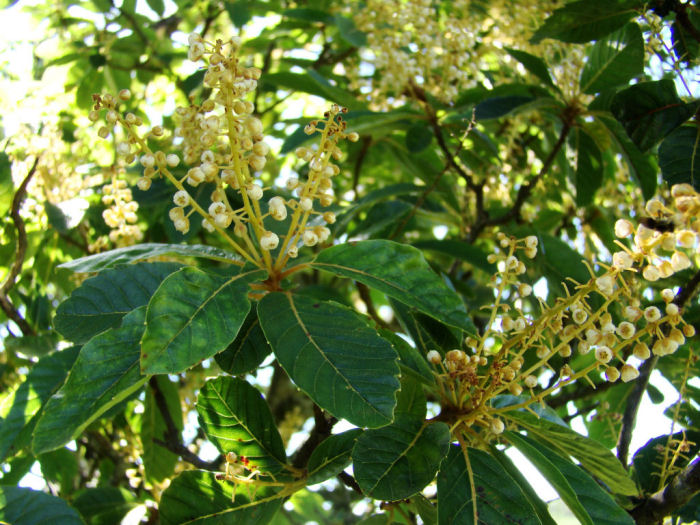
(270, 261)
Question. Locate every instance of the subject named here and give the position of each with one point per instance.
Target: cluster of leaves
(109, 356)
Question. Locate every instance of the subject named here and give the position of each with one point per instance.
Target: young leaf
(237, 419)
(197, 497)
(400, 272)
(586, 20)
(139, 252)
(586, 499)
(20, 410)
(396, 461)
(105, 373)
(593, 456)
(498, 498)
(102, 301)
(679, 157)
(158, 462)
(22, 506)
(331, 353)
(331, 456)
(614, 61)
(192, 316)
(651, 110)
(248, 350)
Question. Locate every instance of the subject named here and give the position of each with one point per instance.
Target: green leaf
(158, 462)
(308, 15)
(60, 467)
(139, 252)
(427, 333)
(157, 5)
(559, 260)
(418, 137)
(514, 472)
(196, 497)
(551, 474)
(313, 83)
(642, 167)
(331, 353)
(533, 64)
(331, 456)
(678, 157)
(497, 107)
(248, 350)
(348, 31)
(498, 498)
(21, 506)
(104, 505)
(459, 250)
(396, 461)
(647, 461)
(236, 418)
(192, 316)
(90, 83)
(589, 168)
(239, 12)
(101, 302)
(411, 361)
(614, 61)
(7, 187)
(651, 110)
(593, 456)
(105, 373)
(586, 20)
(586, 499)
(401, 272)
(20, 410)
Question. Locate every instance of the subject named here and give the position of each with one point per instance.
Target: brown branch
(20, 251)
(684, 19)
(321, 431)
(629, 417)
(172, 440)
(366, 143)
(525, 190)
(363, 290)
(672, 497)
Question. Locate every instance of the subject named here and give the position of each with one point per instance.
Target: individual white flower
(255, 192)
(603, 354)
(181, 198)
(623, 228)
(622, 260)
(269, 241)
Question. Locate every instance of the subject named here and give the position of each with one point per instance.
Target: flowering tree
(277, 262)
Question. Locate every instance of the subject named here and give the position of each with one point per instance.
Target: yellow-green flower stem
(163, 169)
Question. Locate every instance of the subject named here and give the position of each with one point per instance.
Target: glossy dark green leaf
(648, 460)
(410, 359)
(589, 168)
(586, 498)
(533, 64)
(236, 418)
(593, 456)
(399, 271)
(685, 45)
(331, 353)
(248, 350)
(459, 250)
(552, 474)
(427, 333)
(158, 462)
(642, 167)
(104, 505)
(586, 20)
(7, 187)
(679, 157)
(157, 5)
(498, 498)
(60, 467)
(418, 137)
(559, 260)
(614, 61)
(192, 316)
(21, 408)
(331, 456)
(651, 110)
(497, 107)
(22, 506)
(105, 373)
(33, 345)
(196, 497)
(396, 461)
(101, 302)
(139, 252)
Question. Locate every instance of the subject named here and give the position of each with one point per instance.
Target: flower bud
(629, 373)
(434, 357)
(612, 374)
(603, 354)
(623, 228)
(269, 241)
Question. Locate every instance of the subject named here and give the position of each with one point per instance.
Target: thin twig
(20, 251)
(172, 440)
